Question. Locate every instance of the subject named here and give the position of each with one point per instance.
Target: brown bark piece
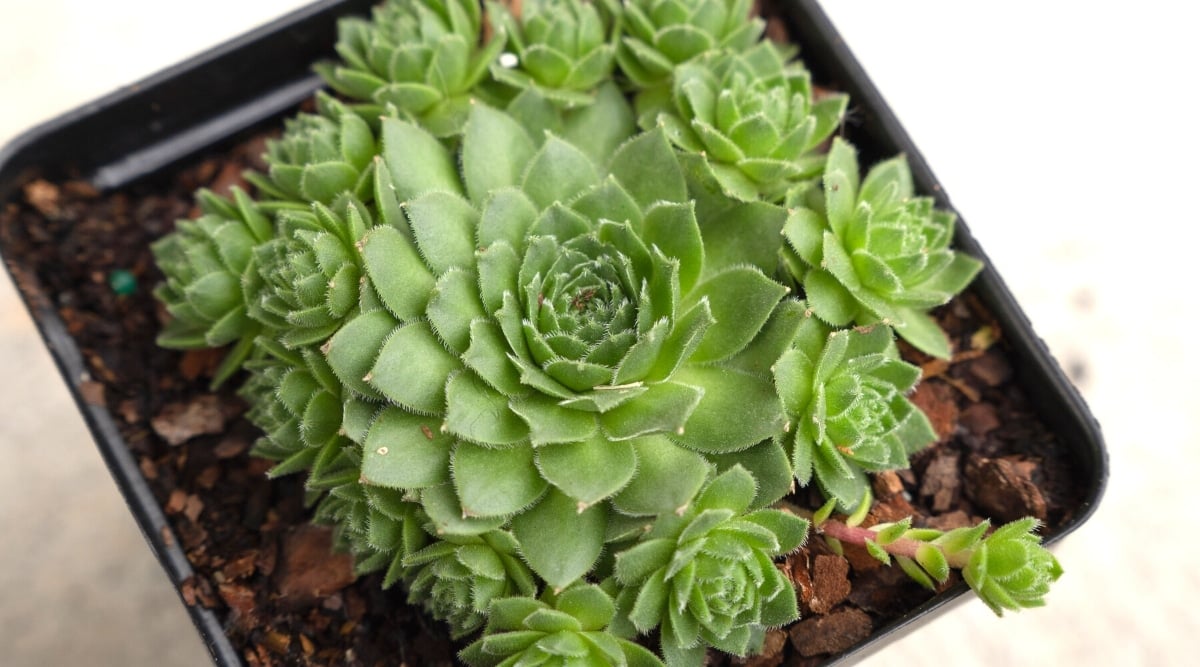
(887, 484)
(832, 633)
(240, 599)
(180, 422)
(992, 368)
(936, 400)
(980, 418)
(1004, 489)
(308, 570)
(941, 481)
(830, 584)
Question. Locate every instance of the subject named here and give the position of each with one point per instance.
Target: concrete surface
(1064, 133)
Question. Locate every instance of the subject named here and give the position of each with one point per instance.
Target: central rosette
(583, 311)
(546, 341)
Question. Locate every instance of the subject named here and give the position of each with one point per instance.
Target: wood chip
(180, 422)
(833, 633)
(308, 571)
(941, 481)
(830, 583)
(1004, 489)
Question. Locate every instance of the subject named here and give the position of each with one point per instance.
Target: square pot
(245, 84)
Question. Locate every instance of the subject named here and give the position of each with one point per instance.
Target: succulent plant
(310, 274)
(844, 393)
(706, 577)
(422, 56)
(564, 48)
(319, 157)
(565, 628)
(1008, 569)
(750, 121)
(660, 34)
(457, 578)
(208, 264)
(542, 368)
(874, 252)
(566, 354)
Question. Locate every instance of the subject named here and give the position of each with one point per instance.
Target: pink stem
(901, 547)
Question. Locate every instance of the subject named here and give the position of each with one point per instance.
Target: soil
(266, 571)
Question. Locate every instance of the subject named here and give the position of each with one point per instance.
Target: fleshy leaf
(495, 482)
(590, 470)
(558, 540)
(405, 451)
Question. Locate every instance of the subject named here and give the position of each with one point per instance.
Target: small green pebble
(122, 282)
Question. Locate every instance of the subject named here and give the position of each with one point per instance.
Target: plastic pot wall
(240, 85)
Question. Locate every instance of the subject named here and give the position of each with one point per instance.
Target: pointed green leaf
(768, 463)
(600, 127)
(487, 355)
(741, 300)
(732, 490)
(668, 477)
(443, 225)
(592, 607)
(352, 351)
(495, 482)
(495, 151)
(647, 611)
(405, 451)
(453, 305)
(558, 172)
(590, 470)
(412, 368)
(560, 542)
(673, 228)
(444, 511)
(417, 160)
(665, 407)
(400, 277)
(478, 413)
(789, 529)
(736, 412)
(647, 168)
(551, 423)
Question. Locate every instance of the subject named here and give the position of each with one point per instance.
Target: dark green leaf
(667, 478)
(560, 542)
(741, 300)
(495, 482)
(412, 368)
(590, 470)
(403, 450)
(418, 161)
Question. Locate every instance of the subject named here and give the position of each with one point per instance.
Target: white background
(1066, 134)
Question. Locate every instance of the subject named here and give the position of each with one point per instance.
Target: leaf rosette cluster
(319, 157)
(209, 268)
(845, 394)
(753, 121)
(422, 56)
(872, 251)
(708, 574)
(660, 34)
(545, 369)
(564, 48)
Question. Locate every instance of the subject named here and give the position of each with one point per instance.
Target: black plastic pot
(169, 117)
